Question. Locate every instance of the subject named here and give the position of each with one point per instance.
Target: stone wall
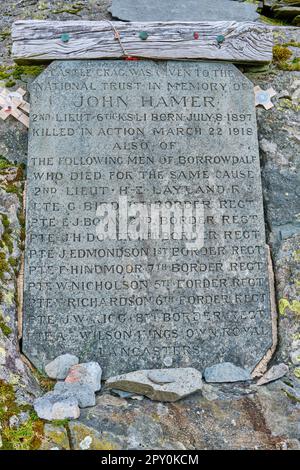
(222, 417)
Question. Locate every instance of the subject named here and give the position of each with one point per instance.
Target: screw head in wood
(220, 39)
(65, 37)
(143, 35)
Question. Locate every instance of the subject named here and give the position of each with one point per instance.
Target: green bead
(65, 37)
(220, 39)
(143, 35)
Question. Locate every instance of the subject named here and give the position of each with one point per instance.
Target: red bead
(196, 35)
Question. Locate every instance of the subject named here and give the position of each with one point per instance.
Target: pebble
(226, 372)
(159, 377)
(295, 357)
(84, 393)
(185, 381)
(58, 368)
(88, 373)
(275, 373)
(54, 405)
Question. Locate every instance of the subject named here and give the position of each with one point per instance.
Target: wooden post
(44, 41)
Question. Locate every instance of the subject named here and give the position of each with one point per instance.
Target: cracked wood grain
(42, 41)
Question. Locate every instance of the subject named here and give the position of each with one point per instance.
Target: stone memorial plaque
(187, 10)
(145, 230)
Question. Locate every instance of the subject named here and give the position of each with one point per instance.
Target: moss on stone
(281, 53)
(291, 44)
(42, 5)
(293, 306)
(4, 34)
(273, 21)
(281, 56)
(296, 256)
(28, 435)
(46, 384)
(56, 435)
(22, 235)
(11, 73)
(60, 422)
(6, 330)
(288, 104)
(4, 266)
(5, 221)
(10, 83)
(291, 396)
(13, 261)
(70, 9)
(80, 432)
(6, 238)
(4, 72)
(29, 70)
(4, 163)
(297, 373)
(20, 173)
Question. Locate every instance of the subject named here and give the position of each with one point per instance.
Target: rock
(159, 377)
(296, 20)
(13, 421)
(55, 438)
(85, 444)
(295, 357)
(184, 382)
(275, 373)
(17, 420)
(56, 405)
(285, 11)
(58, 368)
(296, 344)
(88, 373)
(226, 372)
(176, 10)
(292, 392)
(87, 438)
(84, 393)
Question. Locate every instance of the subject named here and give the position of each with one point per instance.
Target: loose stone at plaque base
(83, 392)
(184, 382)
(226, 372)
(56, 406)
(58, 368)
(88, 373)
(274, 373)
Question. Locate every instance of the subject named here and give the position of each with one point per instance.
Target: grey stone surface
(83, 392)
(88, 373)
(56, 406)
(226, 372)
(179, 135)
(295, 357)
(274, 373)
(264, 419)
(55, 437)
(187, 10)
(161, 377)
(60, 366)
(185, 381)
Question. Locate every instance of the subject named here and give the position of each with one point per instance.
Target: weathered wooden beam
(45, 41)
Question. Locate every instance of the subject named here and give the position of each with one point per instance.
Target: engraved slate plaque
(145, 231)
